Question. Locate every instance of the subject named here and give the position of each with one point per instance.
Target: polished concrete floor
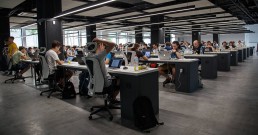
(227, 105)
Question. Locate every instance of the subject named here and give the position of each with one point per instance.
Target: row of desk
(137, 83)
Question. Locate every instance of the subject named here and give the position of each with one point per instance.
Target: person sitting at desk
(103, 48)
(138, 53)
(16, 60)
(232, 44)
(197, 47)
(108, 58)
(224, 45)
(165, 69)
(155, 49)
(209, 47)
(168, 46)
(30, 52)
(52, 61)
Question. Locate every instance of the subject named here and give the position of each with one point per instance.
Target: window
(31, 38)
(16, 33)
(146, 37)
(71, 38)
(122, 38)
(173, 37)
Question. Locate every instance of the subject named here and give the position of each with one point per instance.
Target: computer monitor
(147, 54)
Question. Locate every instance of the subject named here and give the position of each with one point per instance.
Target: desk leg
(35, 76)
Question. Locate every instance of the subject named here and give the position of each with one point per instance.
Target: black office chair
(16, 69)
(47, 78)
(96, 87)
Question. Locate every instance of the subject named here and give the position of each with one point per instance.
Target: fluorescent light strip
(29, 25)
(143, 16)
(81, 9)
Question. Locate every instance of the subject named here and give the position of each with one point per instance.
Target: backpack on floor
(68, 91)
(83, 83)
(144, 117)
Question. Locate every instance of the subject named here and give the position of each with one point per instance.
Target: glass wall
(146, 37)
(71, 38)
(31, 36)
(16, 33)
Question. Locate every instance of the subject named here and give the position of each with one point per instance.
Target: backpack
(83, 83)
(68, 91)
(144, 117)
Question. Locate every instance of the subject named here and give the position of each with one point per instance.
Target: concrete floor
(227, 105)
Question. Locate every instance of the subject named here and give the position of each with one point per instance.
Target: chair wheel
(111, 118)
(90, 117)
(12, 82)
(24, 80)
(48, 96)
(5, 82)
(40, 94)
(91, 109)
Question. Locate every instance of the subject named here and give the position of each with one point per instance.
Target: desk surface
(30, 61)
(226, 52)
(200, 55)
(169, 61)
(229, 50)
(129, 71)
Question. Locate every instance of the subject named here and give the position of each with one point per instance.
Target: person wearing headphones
(100, 51)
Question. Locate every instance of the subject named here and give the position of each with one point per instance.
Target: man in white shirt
(53, 60)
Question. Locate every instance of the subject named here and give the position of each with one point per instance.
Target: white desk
(223, 60)
(132, 84)
(129, 71)
(187, 81)
(32, 63)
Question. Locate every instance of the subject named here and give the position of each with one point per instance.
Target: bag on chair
(83, 83)
(144, 117)
(68, 91)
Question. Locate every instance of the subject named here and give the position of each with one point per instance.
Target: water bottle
(182, 54)
(201, 51)
(136, 63)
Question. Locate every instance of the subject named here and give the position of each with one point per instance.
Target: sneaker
(114, 101)
(168, 80)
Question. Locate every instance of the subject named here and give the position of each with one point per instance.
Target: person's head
(239, 41)
(10, 40)
(56, 45)
(175, 45)
(231, 43)
(30, 49)
(145, 46)
(155, 46)
(209, 43)
(196, 44)
(168, 44)
(224, 43)
(22, 49)
(135, 47)
(64, 48)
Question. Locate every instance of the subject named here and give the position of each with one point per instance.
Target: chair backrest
(130, 56)
(96, 83)
(44, 67)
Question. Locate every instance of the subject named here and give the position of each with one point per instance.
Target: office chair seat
(16, 69)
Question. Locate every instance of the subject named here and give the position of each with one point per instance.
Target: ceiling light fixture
(81, 9)
(28, 25)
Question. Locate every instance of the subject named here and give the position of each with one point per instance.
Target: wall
(209, 37)
(251, 39)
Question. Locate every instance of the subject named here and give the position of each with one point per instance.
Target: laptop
(35, 56)
(69, 59)
(79, 60)
(147, 54)
(164, 55)
(115, 63)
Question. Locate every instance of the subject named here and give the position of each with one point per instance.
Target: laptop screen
(69, 58)
(147, 54)
(115, 63)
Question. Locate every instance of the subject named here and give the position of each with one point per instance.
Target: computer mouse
(125, 68)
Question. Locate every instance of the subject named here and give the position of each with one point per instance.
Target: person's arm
(109, 45)
(178, 55)
(58, 61)
(144, 58)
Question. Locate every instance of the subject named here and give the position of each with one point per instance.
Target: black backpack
(83, 83)
(144, 117)
(68, 91)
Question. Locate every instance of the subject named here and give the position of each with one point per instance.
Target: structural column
(138, 35)
(157, 33)
(196, 34)
(216, 36)
(4, 29)
(91, 33)
(49, 29)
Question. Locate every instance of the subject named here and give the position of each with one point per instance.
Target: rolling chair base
(15, 78)
(100, 108)
(51, 92)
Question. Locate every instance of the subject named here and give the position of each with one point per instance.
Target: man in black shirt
(197, 46)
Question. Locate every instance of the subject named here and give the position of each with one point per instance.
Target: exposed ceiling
(179, 15)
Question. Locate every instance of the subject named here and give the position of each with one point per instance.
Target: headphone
(91, 47)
